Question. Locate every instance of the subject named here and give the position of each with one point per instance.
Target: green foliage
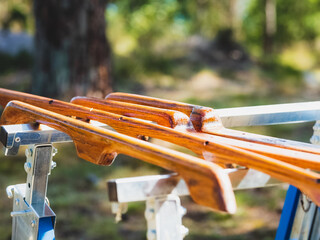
(144, 35)
(136, 208)
(205, 17)
(142, 23)
(295, 21)
(16, 15)
(298, 20)
(151, 22)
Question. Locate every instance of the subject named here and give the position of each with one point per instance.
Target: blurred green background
(209, 52)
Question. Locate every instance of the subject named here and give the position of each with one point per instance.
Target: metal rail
(14, 136)
(270, 114)
(134, 189)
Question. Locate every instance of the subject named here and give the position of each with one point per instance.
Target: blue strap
(288, 213)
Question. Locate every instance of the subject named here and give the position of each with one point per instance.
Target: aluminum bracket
(32, 218)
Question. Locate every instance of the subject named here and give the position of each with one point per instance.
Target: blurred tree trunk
(72, 54)
(232, 15)
(270, 26)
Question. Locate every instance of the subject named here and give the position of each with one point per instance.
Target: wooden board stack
(194, 127)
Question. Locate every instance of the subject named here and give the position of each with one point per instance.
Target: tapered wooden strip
(301, 159)
(216, 151)
(208, 184)
(205, 120)
(306, 181)
(200, 116)
(167, 118)
(113, 120)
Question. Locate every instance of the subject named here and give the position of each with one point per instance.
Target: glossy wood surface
(201, 117)
(301, 159)
(208, 184)
(169, 118)
(216, 151)
(305, 180)
(205, 120)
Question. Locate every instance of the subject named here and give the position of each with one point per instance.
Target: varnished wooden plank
(208, 184)
(201, 117)
(169, 118)
(205, 120)
(305, 180)
(210, 149)
(301, 159)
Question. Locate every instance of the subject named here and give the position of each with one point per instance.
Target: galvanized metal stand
(32, 218)
(162, 196)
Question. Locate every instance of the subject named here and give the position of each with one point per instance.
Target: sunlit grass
(299, 56)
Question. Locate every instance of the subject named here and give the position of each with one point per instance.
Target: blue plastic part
(288, 213)
(46, 228)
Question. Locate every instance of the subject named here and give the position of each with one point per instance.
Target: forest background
(209, 52)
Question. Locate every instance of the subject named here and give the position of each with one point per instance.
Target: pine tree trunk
(72, 54)
(270, 26)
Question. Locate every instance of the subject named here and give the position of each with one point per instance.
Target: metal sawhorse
(34, 219)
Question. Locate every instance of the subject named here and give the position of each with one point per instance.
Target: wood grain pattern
(201, 117)
(305, 180)
(218, 152)
(301, 159)
(169, 118)
(205, 120)
(208, 184)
